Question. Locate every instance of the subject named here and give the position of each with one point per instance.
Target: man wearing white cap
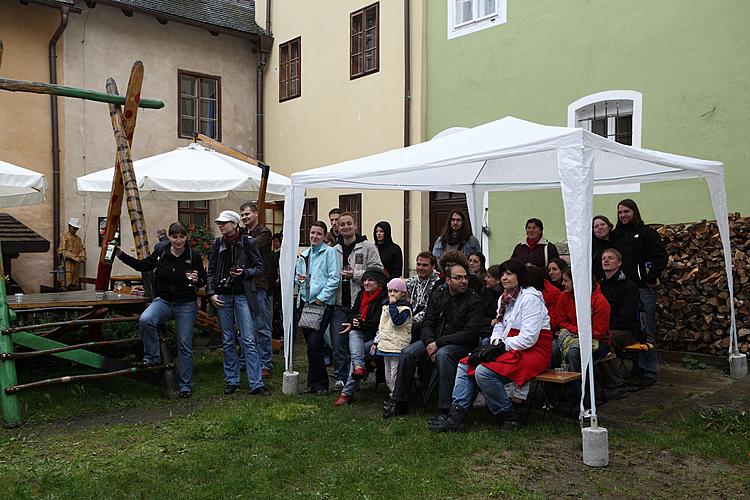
(72, 252)
(233, 263)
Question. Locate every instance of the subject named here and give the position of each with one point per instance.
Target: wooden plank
(557, 378)
(132, 197)
(73, 298)
(81, 356)
(133, 96)
(61, 90)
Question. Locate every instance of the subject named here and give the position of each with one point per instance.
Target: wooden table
(74, 298)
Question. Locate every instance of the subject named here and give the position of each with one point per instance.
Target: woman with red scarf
(364, 325)
(535, 250)
(520, 349)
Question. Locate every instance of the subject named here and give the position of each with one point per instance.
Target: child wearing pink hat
(394, 332)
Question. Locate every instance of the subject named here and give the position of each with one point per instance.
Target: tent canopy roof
(503, 155)
(20, 186)
(193, 172)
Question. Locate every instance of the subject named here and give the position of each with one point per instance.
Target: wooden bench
(549, 376)
(634, 349)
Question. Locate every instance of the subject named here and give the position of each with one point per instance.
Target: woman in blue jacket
(318, 275)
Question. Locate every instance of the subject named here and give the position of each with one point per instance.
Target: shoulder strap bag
(312, 313)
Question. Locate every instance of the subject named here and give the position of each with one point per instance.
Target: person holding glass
(318, 274)
(178, 273)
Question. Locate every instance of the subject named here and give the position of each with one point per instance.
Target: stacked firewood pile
(692, 312)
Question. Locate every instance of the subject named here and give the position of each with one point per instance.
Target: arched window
(614, 114)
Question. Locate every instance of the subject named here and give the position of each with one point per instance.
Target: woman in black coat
(390, 253)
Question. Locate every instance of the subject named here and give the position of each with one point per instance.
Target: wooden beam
(61, 90)
(265, 170)
(132, 97)
(135, 210)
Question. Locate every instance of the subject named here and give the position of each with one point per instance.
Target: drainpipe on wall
(265, 48)
(407, 123)
(64, 11)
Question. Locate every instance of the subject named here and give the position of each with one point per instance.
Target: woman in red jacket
(566, 346)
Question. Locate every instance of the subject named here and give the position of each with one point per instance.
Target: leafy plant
(691, 363)
(200, 238)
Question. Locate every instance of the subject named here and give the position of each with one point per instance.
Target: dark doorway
(441, 204)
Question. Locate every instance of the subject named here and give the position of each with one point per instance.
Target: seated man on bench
(450, 330)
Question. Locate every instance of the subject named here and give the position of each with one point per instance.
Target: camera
(226, 283)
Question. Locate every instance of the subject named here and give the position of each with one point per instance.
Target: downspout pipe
(265, 47)
(55, 120)
(407, 123)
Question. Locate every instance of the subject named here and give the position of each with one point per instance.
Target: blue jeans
(184, 314)
(237, 308)
(339, 344)
(263, 329)
(446, 362)
(490, 383)
(648, 361)
(360, 350)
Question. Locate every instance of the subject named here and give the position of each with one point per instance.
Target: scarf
(233, 238)
(453, 238)
(532, 243)
(507, 298)
(367, 297)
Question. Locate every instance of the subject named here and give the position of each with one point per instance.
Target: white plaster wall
(102, 42)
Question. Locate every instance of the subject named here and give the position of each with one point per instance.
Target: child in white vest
(394, 332)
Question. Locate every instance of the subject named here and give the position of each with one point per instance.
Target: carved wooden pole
(133, 96)
(135, 211)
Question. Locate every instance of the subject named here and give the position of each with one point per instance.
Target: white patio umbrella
(20, 186)
(193, 172)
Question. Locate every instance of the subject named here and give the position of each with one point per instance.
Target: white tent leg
(717, 190)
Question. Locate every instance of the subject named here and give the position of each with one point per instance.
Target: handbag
(486, 354)
(312, 313)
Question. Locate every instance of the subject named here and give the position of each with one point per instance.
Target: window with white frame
(468, 16)
(614, 114)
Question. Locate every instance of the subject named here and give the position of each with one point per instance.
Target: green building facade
(669, 75)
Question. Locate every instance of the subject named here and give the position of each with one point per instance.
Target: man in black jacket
(450, 331)
(622, 295)
(644, 257)
(232, 265)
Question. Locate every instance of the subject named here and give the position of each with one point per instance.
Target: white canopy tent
(20, 186)
(511, 155)
(193, 172)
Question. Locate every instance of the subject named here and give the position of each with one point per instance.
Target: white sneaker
(339, 385)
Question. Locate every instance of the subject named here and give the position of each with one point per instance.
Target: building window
(199, 105)
(290, 69)
(309, 216)
(192, 212)
(468, 16)
(274, 216)
(364, 42)
(614, 114)
(352, 203)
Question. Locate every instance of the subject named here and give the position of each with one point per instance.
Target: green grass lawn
(120, 439)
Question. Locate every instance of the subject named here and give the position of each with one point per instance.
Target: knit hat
(374, 274)
(397, 284)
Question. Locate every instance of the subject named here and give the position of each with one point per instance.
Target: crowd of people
(471, 332)
(476, 335)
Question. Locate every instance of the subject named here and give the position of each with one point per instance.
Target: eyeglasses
(462, 277)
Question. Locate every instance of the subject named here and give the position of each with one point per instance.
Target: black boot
(394, 408)
(452, 422)
(439, 418)
(508, 421)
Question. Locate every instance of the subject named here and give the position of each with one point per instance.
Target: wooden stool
(549, 376)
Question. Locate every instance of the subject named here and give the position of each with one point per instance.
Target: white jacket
(527, 314)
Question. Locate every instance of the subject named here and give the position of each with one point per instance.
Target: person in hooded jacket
(644, 257)
(390, 253)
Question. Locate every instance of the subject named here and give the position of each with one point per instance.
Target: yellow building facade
(337, 116)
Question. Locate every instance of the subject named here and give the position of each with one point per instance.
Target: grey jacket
(364, 256)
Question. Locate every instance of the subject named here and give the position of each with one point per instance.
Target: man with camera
(232, 265)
